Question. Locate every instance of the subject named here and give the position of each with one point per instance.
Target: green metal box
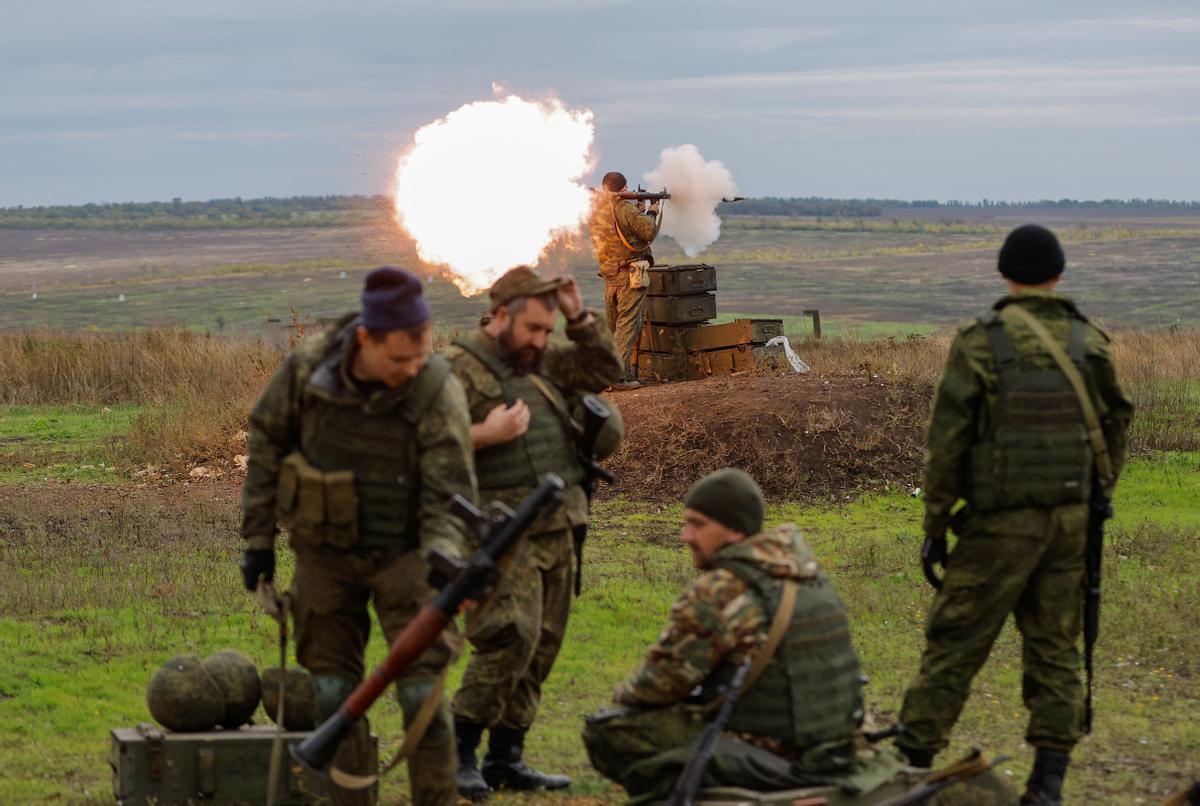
(160, 767)
(681, 310)
(674, 280)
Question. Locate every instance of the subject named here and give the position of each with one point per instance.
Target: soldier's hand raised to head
(570, 301)
(502, 424)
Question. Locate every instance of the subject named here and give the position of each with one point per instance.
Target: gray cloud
(149, 100)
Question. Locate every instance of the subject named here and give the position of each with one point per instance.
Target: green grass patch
(63, 442)
(101, 589)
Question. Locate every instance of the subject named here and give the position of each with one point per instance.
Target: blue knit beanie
(393, 299)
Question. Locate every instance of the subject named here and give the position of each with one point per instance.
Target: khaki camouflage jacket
(636, 226)
(588, 363)
(445, 457)
(715, 620)
(967, 392)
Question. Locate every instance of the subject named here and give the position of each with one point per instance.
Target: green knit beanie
(731, 498)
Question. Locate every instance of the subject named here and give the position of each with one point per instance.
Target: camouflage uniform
(368, 499)
(1022, 559)
(623, 305)
(518, 632)
(796, 726)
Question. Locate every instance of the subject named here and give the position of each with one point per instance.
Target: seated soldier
(797, 723)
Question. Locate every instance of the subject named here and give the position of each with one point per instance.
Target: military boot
(504, 769)
(1044, 787)
(470, 783)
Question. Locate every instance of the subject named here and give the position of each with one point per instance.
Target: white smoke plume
(696, 188)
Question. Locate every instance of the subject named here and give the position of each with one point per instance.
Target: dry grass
(197, 389)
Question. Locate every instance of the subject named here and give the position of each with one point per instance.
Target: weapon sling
(690, 778)
(1091, 618)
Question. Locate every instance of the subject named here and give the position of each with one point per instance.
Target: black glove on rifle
(257, 563)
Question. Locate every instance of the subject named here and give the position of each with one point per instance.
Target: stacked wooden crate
(677, 343)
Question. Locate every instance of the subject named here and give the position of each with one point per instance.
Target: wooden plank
(732, 334)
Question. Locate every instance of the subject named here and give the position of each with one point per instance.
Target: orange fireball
(493, 184)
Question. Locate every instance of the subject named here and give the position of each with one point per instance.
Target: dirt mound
(801, 436)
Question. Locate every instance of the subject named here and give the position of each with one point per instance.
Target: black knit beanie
(730, 497)
(393, 299)
(1031, 255)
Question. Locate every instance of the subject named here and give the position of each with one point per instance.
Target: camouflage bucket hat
(183, 696)
(521, 282)
(299, 703)
(237, 677)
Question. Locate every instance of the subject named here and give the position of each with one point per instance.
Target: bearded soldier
(621, 236)
(517, 387)
(355, 447)
(796, 724)
(1010, 435)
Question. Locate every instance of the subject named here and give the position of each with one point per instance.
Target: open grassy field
(118, 579)
(910, 273)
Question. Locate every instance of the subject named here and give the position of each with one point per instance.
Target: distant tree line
(335, 211)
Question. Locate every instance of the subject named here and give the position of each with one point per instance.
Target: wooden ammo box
(732, 334)
(665, 338)
(160, 767)
(668, 281)
(681, 310)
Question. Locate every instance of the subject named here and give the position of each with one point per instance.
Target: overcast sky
(147, 99)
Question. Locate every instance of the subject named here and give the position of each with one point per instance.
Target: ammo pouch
(316, 507)
(639, 274)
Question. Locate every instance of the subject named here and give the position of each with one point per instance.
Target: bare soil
(803, 437)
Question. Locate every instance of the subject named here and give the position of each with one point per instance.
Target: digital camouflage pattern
(520, 631)
(715, 624)
(183, 696)
(443, 435)
(1025, 561)
(237, 677)
(521, 626)
(588, 363)
(714, 621)
(623, 309)
(623, 305)
(636, 226)
(332, 587)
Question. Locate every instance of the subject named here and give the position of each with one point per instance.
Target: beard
(523, 360)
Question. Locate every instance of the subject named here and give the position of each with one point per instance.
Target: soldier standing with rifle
(621, 235)
(355, 446)
(1029, 428)
(519, 390)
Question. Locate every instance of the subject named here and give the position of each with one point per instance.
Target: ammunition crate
(681, 310)
(691, 366)
(735, 333)
(665, 338)
(665, 367)
(674, 280)
(161, 767)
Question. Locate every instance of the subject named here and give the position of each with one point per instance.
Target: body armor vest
(547, 447)
(366, 457)
(812, 692)
(1035, 452)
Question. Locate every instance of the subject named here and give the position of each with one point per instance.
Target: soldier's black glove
(934, 552)
(257, 563)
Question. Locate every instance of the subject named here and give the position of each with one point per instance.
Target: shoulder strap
(426, 388)
(779, 626)
(494, 365)
(574, 428)
(1095, 433)
(612, 205)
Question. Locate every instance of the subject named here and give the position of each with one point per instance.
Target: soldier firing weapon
(500, 528)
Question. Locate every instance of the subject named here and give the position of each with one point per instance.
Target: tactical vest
(547, 447)
(1035, 452)
(357, 475)
(812, 692)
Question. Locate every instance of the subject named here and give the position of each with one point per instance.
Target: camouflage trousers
(623, 307)
(645, 750)
(516, 635)
(330, 593)
(1026, 562)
